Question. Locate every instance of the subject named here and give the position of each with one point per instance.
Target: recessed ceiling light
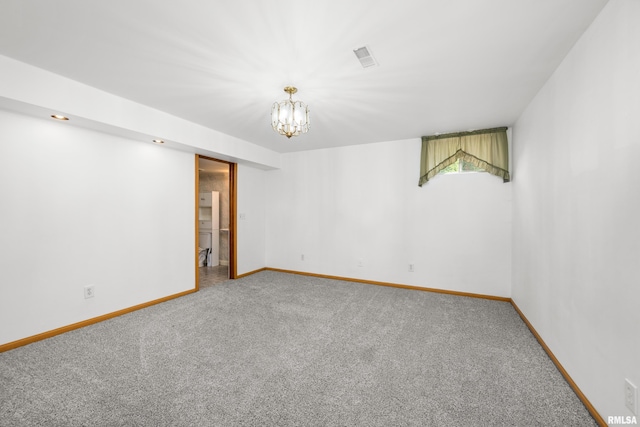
(59, 117)
(158, 141)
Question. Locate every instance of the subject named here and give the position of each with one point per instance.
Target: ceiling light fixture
(59, 117)
(289, 117)
(158, 141)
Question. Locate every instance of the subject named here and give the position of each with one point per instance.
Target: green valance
(487, 149)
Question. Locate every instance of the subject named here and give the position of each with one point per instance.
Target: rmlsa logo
(619, 419)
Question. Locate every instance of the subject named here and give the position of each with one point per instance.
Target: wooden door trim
(197, 222)
(233, 205)
(233, 202)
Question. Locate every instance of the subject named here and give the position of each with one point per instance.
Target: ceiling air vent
(365, 57)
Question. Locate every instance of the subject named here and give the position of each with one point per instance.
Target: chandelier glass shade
(289, 117)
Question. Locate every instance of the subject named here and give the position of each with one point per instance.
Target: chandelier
(289, 117)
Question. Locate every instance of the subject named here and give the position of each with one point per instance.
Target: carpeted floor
(274, 349)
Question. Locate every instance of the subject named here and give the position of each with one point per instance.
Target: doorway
(215, 222)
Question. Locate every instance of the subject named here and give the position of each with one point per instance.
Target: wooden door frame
(233, 202)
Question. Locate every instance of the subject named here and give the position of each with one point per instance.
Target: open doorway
(215, 231)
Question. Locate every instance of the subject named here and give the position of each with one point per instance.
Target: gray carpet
(274, 349)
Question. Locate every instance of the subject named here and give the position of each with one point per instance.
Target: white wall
(576, 209)
(250, 219)
(79, 207)
(39, 93)
(362, 203)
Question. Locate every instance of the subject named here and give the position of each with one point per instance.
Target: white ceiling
(444, 65)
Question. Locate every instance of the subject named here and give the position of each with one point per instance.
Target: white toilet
(204, 249)
(202, 256)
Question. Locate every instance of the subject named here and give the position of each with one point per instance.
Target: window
(481, 150)
(460, 166)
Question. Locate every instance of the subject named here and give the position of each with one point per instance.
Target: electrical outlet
(410, 268)
(301, 257)
(360, 263)
(89, 291)
(631, 396)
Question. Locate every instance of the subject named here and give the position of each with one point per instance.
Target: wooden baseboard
(250, 273)
(48, 334)
(393, 285)
(592, 410)
(58, 331)
(594, 413)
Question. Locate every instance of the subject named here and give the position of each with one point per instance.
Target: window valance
(487, 149)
